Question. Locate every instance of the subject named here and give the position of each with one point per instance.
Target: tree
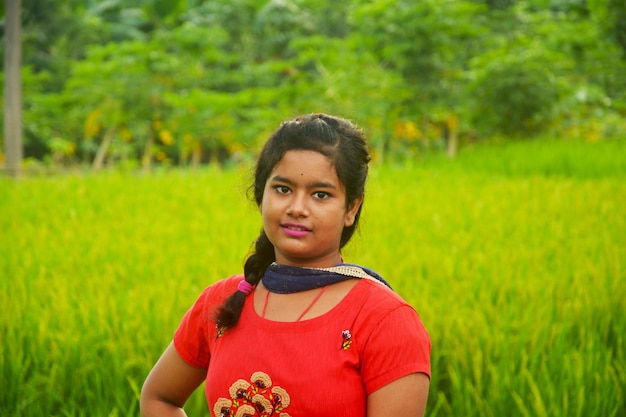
(429, 43)
(13, 89)
(178, 80)
(611, 17)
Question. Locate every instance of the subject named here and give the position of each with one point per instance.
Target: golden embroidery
(261, 379)
(254, 398)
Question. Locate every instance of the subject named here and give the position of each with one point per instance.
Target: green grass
(514, 255)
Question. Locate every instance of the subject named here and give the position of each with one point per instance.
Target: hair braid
(254, 268)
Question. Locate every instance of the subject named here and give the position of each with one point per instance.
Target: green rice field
(513, 254)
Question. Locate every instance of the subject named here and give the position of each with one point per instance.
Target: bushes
(514, 94)
(179, 83)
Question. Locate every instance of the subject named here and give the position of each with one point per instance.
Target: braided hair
(336, 138)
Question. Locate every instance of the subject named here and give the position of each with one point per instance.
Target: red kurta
(325, 366)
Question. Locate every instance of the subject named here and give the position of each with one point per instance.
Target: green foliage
(276, 23)
(179, 81)
(611, 16)
(421, 40)
(340, 76)
(513, 256)
(514, 94)
(543, 74)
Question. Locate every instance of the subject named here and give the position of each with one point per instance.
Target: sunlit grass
(515, 265)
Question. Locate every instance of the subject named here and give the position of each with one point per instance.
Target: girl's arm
(405, 397)
(169, 385)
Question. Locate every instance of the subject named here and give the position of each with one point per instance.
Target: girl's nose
(298, 206)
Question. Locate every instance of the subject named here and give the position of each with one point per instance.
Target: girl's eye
(321, 195)
(281, 189)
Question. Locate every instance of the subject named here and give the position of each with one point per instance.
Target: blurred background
(495, 205)
(179, 82)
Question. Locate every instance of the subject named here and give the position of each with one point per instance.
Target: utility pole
(13, 148)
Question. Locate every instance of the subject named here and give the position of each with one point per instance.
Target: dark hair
(338, 139)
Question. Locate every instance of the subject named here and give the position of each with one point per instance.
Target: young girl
(300, 333)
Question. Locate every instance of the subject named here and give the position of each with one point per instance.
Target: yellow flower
(92, 123)
(166, 137)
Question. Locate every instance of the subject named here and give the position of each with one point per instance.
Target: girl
(300, 333)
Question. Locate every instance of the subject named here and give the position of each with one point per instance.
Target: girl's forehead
(304, 159)
(305, 164)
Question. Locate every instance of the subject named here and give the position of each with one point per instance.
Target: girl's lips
(295, 230)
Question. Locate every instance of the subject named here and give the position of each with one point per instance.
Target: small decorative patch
(347, 340)
(256, 397)
(220, 330)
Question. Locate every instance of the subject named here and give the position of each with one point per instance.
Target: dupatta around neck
(287, 279)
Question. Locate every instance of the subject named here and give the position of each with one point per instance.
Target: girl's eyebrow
(319, 184)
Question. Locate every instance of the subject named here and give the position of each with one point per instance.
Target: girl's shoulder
(378, 295)
(373, 303)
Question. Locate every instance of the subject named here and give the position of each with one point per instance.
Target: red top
(325, 366)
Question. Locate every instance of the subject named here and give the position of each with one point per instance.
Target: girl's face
(304, 210)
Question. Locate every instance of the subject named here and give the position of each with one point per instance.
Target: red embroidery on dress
(256, 397)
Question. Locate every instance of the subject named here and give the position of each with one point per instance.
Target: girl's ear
(353, 209)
